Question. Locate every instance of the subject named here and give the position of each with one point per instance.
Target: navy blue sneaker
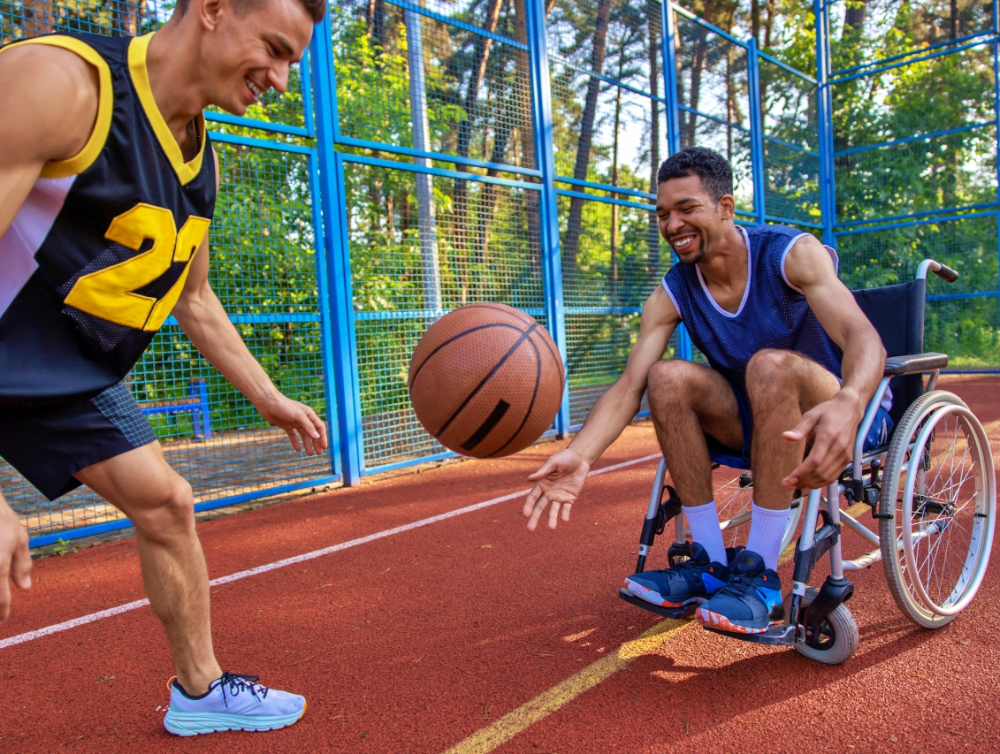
(750, 603)
(689, 582)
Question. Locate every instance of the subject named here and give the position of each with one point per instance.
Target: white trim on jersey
(27, 233)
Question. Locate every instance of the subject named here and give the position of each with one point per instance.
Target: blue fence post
(541, 100)
(668, 39)
(996, 110)
(827, 199)
(756, 131)
(342, 368)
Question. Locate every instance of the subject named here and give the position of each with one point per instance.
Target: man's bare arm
(619, 404)
(48, 107)
(204, 320)
(559, 480)
(834, 423)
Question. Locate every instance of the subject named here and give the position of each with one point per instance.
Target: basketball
(486, 380)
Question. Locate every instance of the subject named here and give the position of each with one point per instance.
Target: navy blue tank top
(772, 313)
(99, 252)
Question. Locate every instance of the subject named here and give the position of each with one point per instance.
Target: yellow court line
(505, 728)
(508, 726)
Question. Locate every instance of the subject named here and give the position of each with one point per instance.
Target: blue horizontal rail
(928, 216)
(605, 187)
(605, 199)
(892, 66)
(720, 121)
(599, 310)
(796, 147)
(260, 125)
(955, 296)
(414, 168)
(706, 25)
(420, 314)
(260, 319)
(792, 221)
(782, 64)
(919, 137)
(607, 79)
(349, 141)
(247, 141)
(223, 502)
(911, 53)
(459, 24)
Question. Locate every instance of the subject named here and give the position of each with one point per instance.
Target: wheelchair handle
(943, 271)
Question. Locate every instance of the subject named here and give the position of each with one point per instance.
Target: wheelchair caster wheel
(838, 636)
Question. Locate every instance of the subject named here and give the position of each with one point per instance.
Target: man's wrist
(857, 402)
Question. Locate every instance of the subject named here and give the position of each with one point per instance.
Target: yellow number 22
(111, 293)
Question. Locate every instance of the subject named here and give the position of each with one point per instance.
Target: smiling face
(250, 50)
(690, 221)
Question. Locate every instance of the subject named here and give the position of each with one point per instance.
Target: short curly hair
(713, 169)
(315, 8)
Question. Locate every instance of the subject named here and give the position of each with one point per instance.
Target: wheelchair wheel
(733, 499)
(838, 639)
(937, 508)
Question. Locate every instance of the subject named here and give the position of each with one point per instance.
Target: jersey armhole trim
(670, 295)
(784, 256)
(105, 107)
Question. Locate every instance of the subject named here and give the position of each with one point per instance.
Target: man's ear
(727, 207)
(210, 12)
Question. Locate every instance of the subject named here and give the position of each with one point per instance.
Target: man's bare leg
(686, 400)
(160, 503)
(782, 385)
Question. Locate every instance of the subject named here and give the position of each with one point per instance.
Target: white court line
(100, 615)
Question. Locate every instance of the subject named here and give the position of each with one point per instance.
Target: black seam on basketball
(534, 395)
(486, 379)
(453, 338)
(487, 426)
(556, 357)
(514, 313)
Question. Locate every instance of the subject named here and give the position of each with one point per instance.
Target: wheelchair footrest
(669, 612)
(781, 635)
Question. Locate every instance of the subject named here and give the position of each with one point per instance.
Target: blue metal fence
(434, 153)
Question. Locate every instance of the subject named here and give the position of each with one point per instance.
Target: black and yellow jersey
(99, 253)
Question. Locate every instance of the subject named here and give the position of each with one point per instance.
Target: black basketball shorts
(49, 444)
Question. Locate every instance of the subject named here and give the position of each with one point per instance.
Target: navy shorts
(49, 444)
(878, 435)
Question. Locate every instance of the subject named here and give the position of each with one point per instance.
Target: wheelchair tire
(839, 639)
(938, 502)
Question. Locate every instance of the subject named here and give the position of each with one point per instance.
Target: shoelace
(238, 682)
(738, 584)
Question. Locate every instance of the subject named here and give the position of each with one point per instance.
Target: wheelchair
(931, 488)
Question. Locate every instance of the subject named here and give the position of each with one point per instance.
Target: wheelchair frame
(810, 612)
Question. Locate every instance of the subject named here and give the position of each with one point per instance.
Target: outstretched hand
(305, 430)
(557, 484)
(15, 558)
(833, 425)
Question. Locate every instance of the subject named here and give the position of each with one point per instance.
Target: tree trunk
(755, 20)
(38, 18)
(614, 182)
(572, 245)
(460, 191)
(653, 30)
(953, 20)
(128, 18)
(701, 51)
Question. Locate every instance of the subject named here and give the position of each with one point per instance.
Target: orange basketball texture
(486, 380)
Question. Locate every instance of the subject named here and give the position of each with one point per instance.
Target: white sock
(767, 527)
(703, 521)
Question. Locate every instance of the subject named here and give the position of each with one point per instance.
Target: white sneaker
(234, 702)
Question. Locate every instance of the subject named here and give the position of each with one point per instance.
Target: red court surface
(471, 634)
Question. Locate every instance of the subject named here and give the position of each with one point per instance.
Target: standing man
(107, 189)
(793, 364)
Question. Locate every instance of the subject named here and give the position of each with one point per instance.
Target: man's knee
(670, 383)
(169, 510)
(772, 370)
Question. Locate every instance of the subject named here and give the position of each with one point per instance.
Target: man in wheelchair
(793, 363)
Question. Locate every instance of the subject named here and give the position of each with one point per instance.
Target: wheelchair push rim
(942, 494)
